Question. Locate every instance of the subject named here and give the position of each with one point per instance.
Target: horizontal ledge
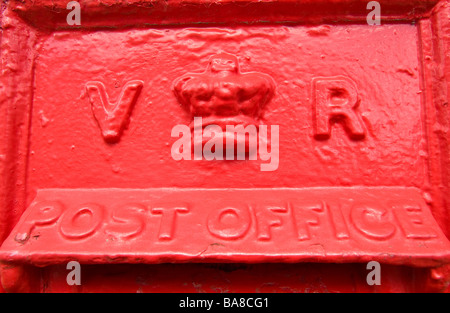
(50, 258)
(48, 14)
(392, 225)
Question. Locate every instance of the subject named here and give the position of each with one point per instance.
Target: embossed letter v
(112, 118)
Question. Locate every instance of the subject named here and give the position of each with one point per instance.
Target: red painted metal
(87, 142)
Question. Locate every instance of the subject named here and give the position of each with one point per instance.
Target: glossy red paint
(88, 167)
(391, 225)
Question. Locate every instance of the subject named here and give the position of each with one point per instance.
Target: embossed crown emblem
(222, 95)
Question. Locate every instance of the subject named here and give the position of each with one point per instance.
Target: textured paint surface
(380, 61)
(389, 225)
(93, 107)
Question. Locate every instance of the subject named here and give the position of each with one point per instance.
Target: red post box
(195, 146)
